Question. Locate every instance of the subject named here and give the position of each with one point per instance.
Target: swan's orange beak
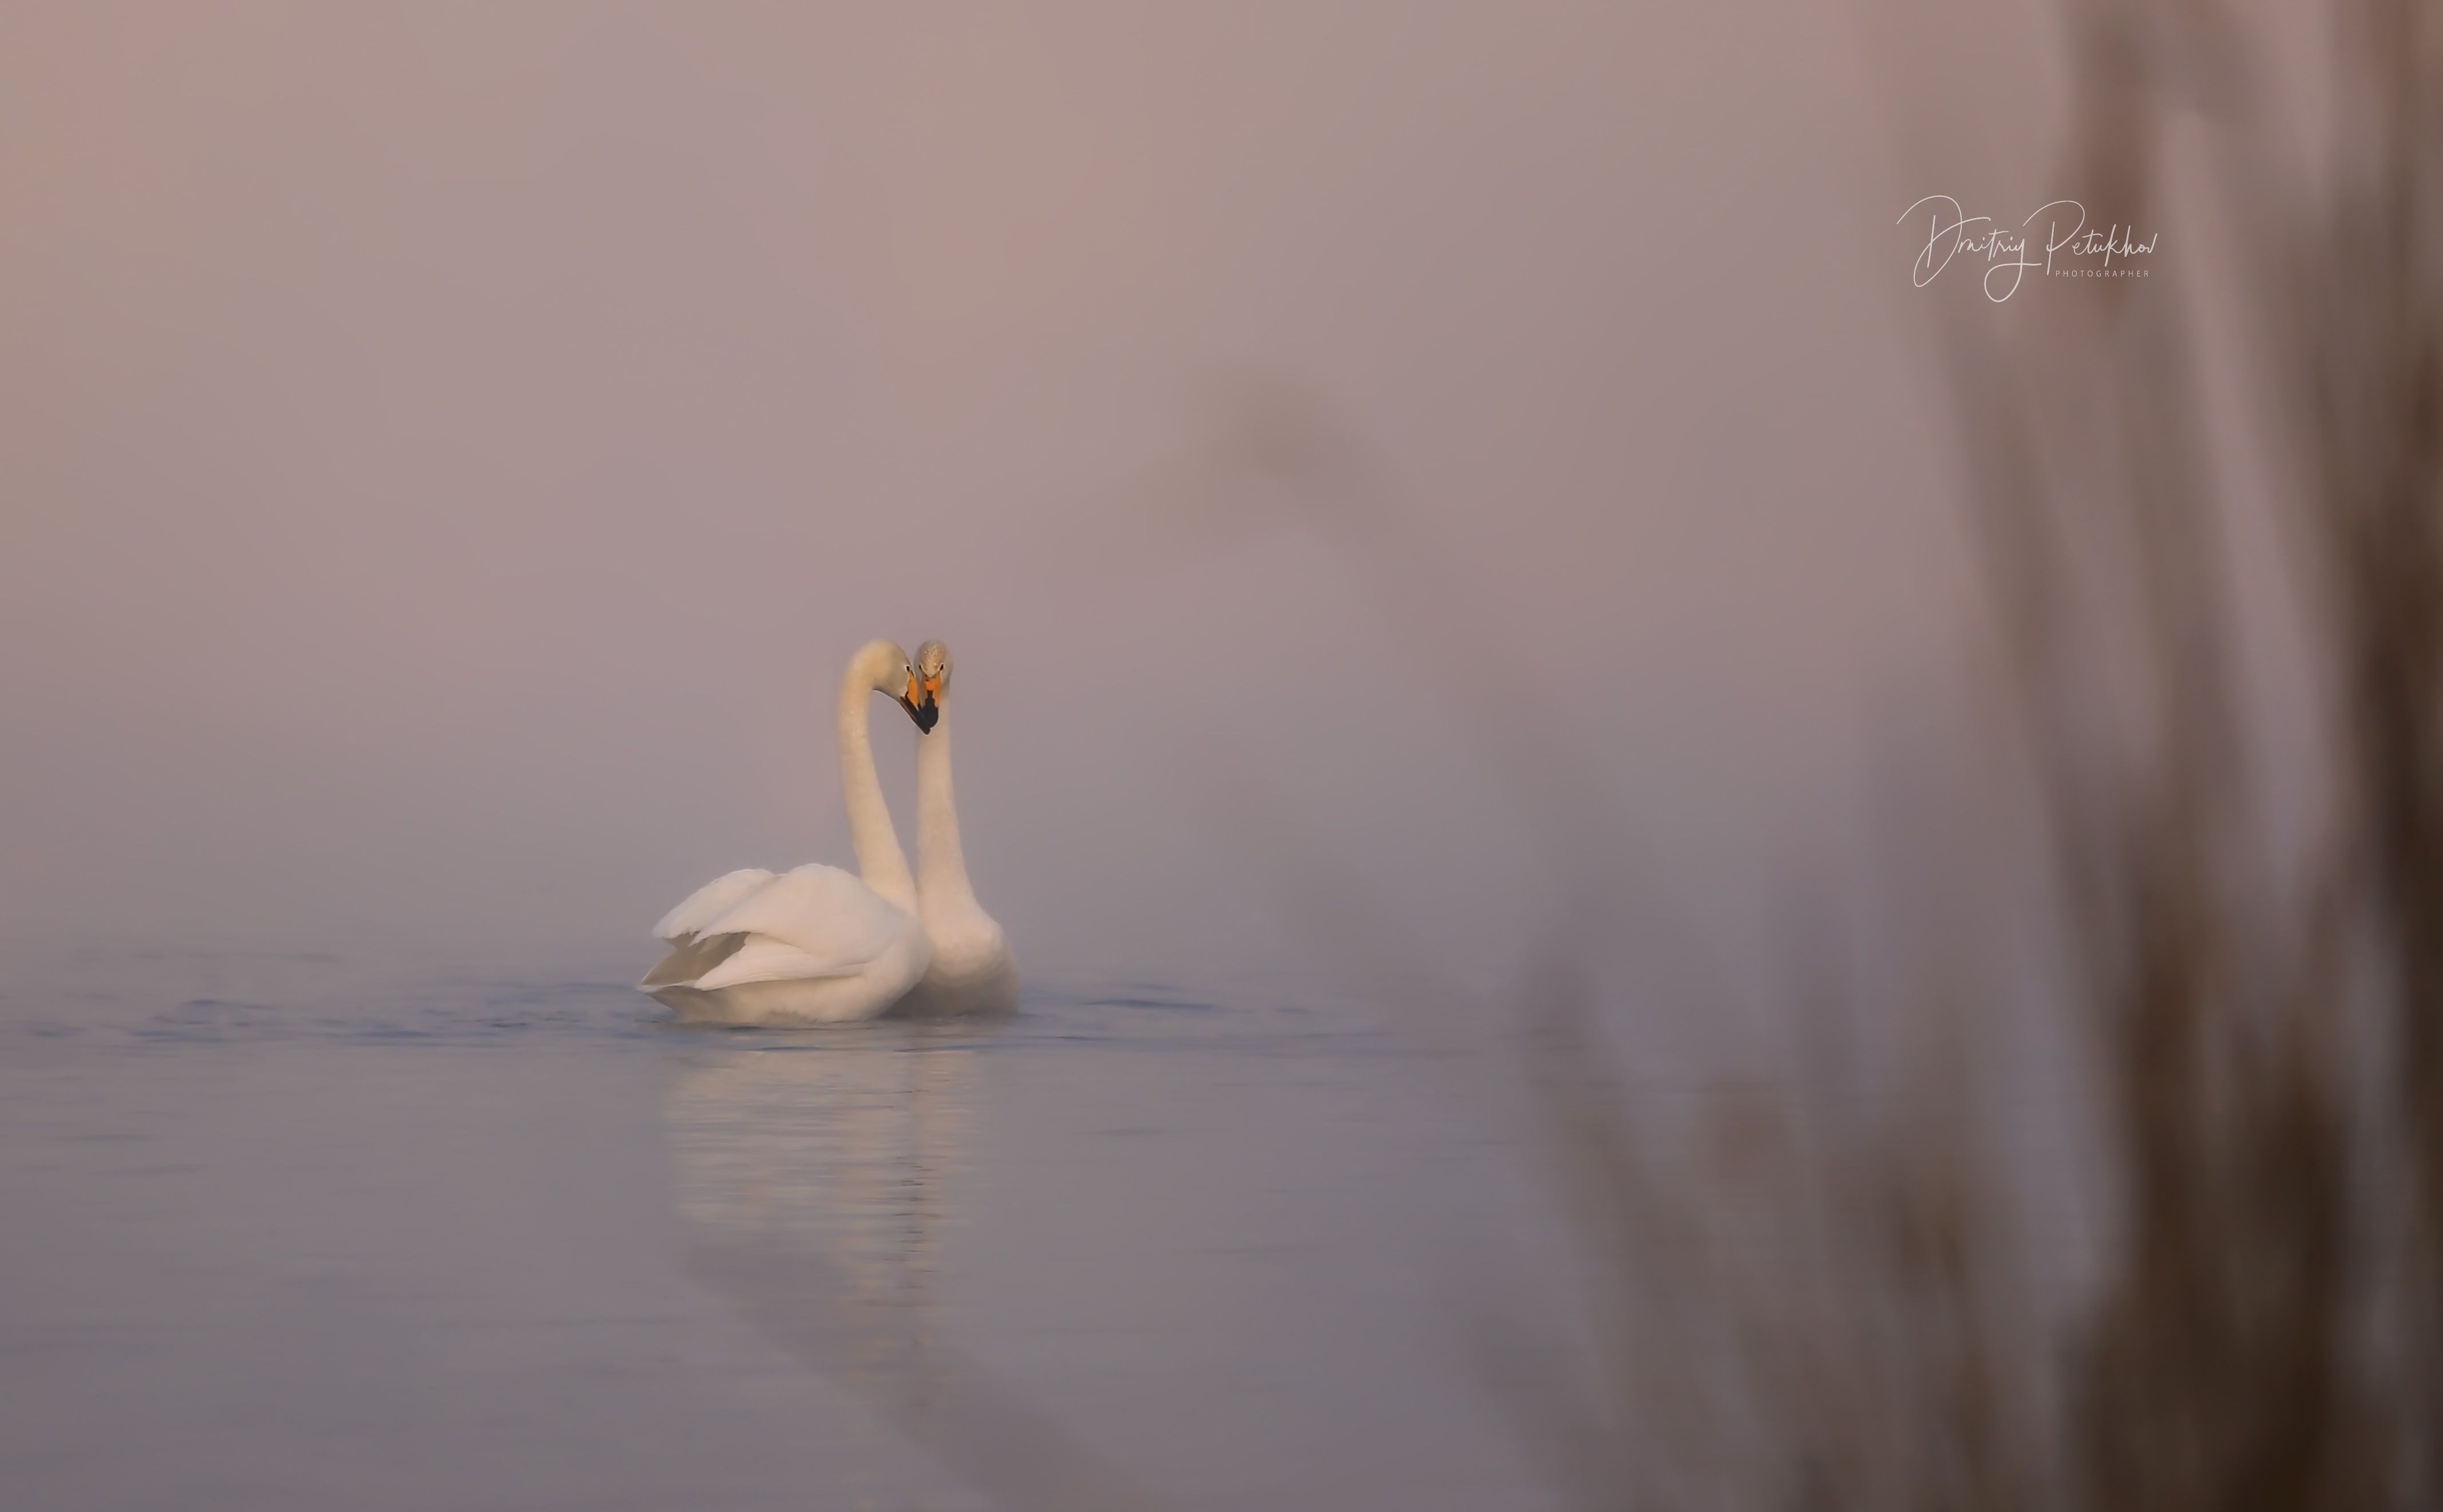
(921, 701)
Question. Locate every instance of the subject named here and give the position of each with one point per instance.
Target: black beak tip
(927, 715)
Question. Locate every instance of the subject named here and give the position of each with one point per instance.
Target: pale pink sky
(449, 450)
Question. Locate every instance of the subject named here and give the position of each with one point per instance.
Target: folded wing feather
(826, 912)
(816, 921)
(682, 924)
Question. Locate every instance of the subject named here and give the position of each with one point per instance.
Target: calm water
(326, 1231)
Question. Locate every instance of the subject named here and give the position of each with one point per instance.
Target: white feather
(831, 919)
(710, 902)
(765, 959)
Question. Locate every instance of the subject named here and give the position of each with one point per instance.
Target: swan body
(972, 969)
(816, 945)
(812, 945)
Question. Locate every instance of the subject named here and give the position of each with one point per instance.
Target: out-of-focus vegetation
(2265, 1011)
(1803, 1306)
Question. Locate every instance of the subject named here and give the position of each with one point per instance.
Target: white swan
(816, 945)
(972, 970)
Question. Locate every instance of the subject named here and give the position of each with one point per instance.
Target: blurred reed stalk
(2261, 1339)
(2268, 1324)
(1798, 1307)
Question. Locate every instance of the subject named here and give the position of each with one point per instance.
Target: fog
(449, 451)
(1894, 826)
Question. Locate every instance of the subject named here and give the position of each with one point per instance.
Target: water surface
(327, 1230)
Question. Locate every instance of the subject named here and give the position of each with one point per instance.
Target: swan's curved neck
(941, 865)
(879, 860)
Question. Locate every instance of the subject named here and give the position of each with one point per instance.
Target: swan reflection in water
(814, 1179)
(817, 1177)
(841, 1147)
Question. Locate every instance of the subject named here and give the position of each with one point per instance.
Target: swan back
(813, 944)
(710, 902)
(828, 915)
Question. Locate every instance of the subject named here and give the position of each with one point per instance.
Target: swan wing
(691, 958)
(827, 915)
(681, 925)
(761, 958)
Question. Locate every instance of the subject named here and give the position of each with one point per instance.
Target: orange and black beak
(923, 701)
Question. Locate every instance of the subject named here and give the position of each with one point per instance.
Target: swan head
(922, 700)
(930, 681)
(881, 666)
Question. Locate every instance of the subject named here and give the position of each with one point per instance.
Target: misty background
(1897, 832)
(449, 451)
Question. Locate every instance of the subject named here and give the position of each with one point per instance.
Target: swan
(815, 945)
(972, 970)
